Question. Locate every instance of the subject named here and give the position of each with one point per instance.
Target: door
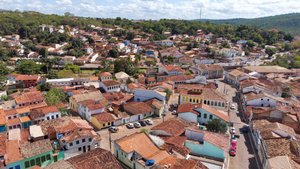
(84, 149)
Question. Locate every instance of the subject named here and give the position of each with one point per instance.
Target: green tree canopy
(28, 67)
(216, 125)
(55, 96)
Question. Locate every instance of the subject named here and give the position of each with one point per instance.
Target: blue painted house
(201, 113)
(207, 144)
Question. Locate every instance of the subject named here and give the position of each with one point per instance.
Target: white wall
(262, 102)
(188, 116)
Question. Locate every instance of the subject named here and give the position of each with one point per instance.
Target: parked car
(149, 122)
(245, 129)
(174, 112)
(233, 142)
(232, 107)
(232, 152)
(143, 123)
(130, 125)
(137, 124)
(232, 130)
(113, 129)
(233, 148)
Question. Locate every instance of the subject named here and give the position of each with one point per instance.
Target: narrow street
(245, 155)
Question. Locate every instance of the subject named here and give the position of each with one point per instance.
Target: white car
(149, 122)
(130, 125)
(232, 107)
(137, 124)
(232, 130)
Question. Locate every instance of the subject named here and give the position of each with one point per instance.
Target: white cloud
(156, 9)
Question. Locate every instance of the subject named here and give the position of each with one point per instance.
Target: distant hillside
(288, 22)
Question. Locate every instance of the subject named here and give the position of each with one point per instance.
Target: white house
(260, 100)
(167, 43)
(200, 113)
(141, 95)
(110, 86)
(88, 108)
(44, 113)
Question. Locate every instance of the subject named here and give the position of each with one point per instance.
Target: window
(205, 115)
(48, 157)
(38, 161)
(83, 140)
(27, 165)
(261, 99)
(71, 144)
(18, 167)
(11, 167)
(199, 114)
(32, 162)
(262, 105)
(57, 116)
(210, 117)
(90, 139)
(268, 99)
(77, 142)
(48, 118)
(79, 149)
(43, 158)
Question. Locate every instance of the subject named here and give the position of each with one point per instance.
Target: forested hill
(288, 22)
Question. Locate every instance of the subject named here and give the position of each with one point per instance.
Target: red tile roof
(175, 127)
(104, 117)
(135, 108)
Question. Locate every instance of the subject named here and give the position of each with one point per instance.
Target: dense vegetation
(288, 22)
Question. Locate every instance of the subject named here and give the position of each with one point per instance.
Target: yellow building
(103, 120)
(206, 96)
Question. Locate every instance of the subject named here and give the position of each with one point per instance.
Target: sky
(157, 9)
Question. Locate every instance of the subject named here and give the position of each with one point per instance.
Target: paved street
(123, 131)
(244, 156)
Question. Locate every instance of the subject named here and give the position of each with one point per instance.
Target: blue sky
(157, 9)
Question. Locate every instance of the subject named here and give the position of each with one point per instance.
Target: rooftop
(104, 117)
(12, 152)
(97, 158)
(35, 148)
(135, 108)
(175, 127)
(267, 69)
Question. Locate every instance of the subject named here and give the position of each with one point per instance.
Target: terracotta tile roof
(206, 93)
(2, 117)
(11, 122)
(175, 127)
(3, 143)
(179, 78)
(35, 148)
(237, 73)
(111, 83)
(91, 104)
(170, 68)
(61, 164)
(140, 143)
(24, 119)
(176, 143)
(217, 139)
(104, 117)
(133, 86)
(12, 152)
(157, 104)
(10, 112)
(279, 147)
(78, 134)
(27, 97)
(210, 67)
(97, 158)
(135, 108)
(93, 95)
(188, 107)
(26, 77)
(270, 130)
(42, 111)
(105, 74)
(176, 163)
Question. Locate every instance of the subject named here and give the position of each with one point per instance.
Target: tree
(55, 96)
(286, 93)
(168, 94)
(250, 43)
(216, 125)
(113, 53)
(44, 87)
(43, 52)
(130, 35)
(3, 69)
(271, 51)
(28, 67)
(125, 65)
(65, 73)
(73, 68)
